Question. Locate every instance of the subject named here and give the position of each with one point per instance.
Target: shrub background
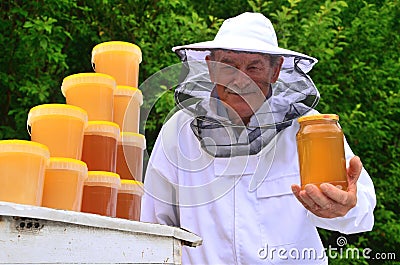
(357, 43)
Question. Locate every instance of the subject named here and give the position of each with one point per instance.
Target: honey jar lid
(56, 109)
(131, 186)
(319, 117)
(129, 92)
(24, 146)
(63, 163)
(87, 78)
(117, 46)
(132, 139)
(105, 128)
(103, 178)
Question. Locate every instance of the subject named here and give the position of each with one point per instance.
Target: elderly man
(225, 166)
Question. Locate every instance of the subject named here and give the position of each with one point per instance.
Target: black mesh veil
(293, 95)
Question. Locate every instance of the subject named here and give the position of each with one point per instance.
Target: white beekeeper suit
(237, 195)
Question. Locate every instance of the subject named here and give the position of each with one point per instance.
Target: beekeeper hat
(250, 32)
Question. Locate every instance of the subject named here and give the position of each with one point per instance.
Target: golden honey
(127, 102)
(63, 183)
(320, 147)
(22, 168)
(60, 127)
(92, 92)
(119, 59)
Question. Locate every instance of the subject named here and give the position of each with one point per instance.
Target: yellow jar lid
(131, 186)
(103, 178)
(105, 128)
(132, 139)
(319, 117)
(117, 46)
(129, 92)
(63, 163)
(57, 109)
(87, 78)
(24, 146)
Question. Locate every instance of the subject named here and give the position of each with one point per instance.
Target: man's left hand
(328, 201)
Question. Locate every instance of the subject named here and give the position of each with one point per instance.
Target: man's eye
(254, 68)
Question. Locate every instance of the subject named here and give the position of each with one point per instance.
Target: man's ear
(277, 70)
(211, 66)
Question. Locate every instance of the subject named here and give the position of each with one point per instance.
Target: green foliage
(356, 42)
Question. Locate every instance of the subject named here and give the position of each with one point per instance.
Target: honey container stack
(80, 151)
(60, 127)
(119, 61)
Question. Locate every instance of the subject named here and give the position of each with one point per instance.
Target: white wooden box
(31, 234)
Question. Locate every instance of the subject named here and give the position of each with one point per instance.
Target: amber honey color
(22, 168)
(127, 102)
(92, 92)
(129, 162)
(122, 65)
(131, 156)
(320, 146)
(100, 200)
(100, 152)
(128, 206)
(100, 193)
(24, 183)
(129, 199)
(63, 184)
(60, 127)
(62, 190)
(96, 99)
(63, 135)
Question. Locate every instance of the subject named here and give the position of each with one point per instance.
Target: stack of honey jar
(85, 155)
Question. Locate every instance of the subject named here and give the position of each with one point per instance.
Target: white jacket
(238, 226)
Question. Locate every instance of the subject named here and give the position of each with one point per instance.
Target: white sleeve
(159, 199)
(361, 217)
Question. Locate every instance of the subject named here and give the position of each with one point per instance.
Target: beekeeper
(225, 165)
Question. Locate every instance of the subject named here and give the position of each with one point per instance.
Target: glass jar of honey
(320, 147)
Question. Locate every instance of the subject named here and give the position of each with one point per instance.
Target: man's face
(242, 81)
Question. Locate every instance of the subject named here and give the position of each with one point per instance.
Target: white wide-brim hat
(250, 32)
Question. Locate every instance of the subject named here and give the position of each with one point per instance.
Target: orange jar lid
(131, 186)
(105, 128)
(63, 163)
(103, 178)
(56, 109)
(24, 146)
(87, 78)
(117, 46)
(132, 139)
(319, 117)
(129, 92)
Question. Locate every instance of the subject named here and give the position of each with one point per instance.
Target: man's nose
(241, 80)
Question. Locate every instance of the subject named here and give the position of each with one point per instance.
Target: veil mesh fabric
(293, 95)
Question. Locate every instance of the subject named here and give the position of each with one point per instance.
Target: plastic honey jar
(92, 92)
(60, 127)
(129, 199)
(320, 147)
(130, 153)
(22, 168)
(100, 193)
(99, 150)
(127, 102)
(118, 59)
(63, 183)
